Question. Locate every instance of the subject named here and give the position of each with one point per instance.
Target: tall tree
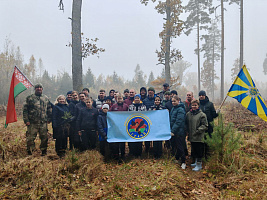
(77, 71)
(171, 29)
(178, 69)
(151, 78)
(79, 50)
(89, 78)
(198, 19)
(40, 67)
(207, 72)
(139, 78)
(211, 48)
(235, 70)
(222, 43)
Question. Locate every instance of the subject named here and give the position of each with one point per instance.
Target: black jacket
(58, 112)
(102, 125)
(148, 102)
(87, 119)
(208, 108)
(145, 96)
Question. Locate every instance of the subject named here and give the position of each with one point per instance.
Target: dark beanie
(202, 93)
(151, 89)
(69, 92)
(174, 92)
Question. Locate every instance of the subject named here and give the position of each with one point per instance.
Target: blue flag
(138, 126)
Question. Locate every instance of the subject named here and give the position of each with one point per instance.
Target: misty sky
(128, 31)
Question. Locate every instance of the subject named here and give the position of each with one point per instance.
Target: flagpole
(223, 101)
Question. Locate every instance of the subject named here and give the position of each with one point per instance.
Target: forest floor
(86, 175)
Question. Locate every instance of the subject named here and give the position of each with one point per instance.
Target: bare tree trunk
(241, 35)
(76, 45)
(222, 52)
(168, 46)
(198, 51)
(213, 63)
(198, 58)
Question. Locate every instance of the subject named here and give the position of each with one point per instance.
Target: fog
(128, 31)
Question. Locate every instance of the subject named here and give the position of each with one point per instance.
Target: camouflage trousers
(31, 134)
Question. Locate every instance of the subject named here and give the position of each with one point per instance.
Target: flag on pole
(245, 92)
(138, 126)
(19, 83)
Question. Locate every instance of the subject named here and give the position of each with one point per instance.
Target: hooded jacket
(208, 108)
(102, 125)
(144, 96)
(196, 125)
(177, 119)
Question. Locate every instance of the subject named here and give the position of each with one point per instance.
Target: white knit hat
(105, 106)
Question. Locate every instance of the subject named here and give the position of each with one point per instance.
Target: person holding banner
(37, 112)
(177, 121)
(102, 128)
(135, 148)
(118, 148)
(157, 145)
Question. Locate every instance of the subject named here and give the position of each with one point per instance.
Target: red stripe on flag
(11, 115)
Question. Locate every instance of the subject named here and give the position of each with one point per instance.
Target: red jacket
(119, 107)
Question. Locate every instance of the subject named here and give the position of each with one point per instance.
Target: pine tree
(224, 147)
(150, 79)
(89, 79)
(211, 48)
(199, 19)
(179, 68)
(235, 70)
(207, 73)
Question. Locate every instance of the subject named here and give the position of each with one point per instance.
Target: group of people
(82, 121)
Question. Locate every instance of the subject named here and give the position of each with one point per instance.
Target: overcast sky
(128, 31)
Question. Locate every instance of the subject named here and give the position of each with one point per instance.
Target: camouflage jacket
(37, 109)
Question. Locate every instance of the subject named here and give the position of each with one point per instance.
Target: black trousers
(197, 150)
(177, 145)
(135, 148)
(103, 146)
(71, 135)
(157, 149)
(88, 139)
(117, 149)
(61, 140)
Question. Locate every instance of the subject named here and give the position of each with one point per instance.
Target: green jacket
(196, 125)
(37, 109)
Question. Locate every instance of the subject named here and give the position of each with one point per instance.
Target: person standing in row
(118, 148)
(102, 128)
(196, 125)
(177, 121)
(61, 126)
(87, 125)
(157, 145)
(37, 113)
(135, 148)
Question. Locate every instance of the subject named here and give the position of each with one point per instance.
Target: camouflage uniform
(38, 111)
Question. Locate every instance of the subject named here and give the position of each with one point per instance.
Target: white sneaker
(183, 166)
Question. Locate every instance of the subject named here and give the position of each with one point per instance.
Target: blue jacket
(177, 119)
(149, 102)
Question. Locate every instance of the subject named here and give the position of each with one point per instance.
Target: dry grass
(87, 176)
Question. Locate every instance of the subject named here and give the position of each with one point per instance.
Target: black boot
(44, 152)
